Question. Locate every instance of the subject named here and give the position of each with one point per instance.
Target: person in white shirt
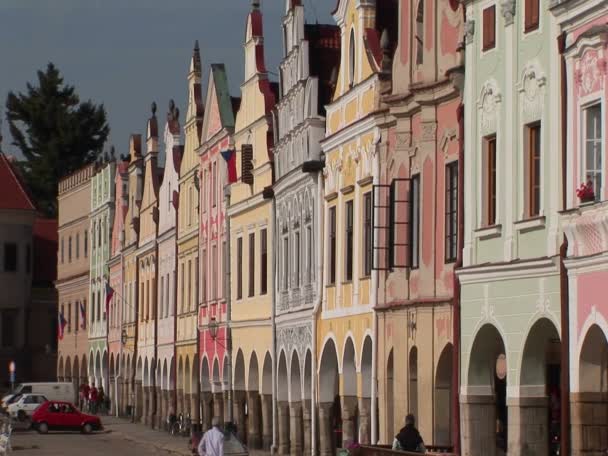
(212, 443)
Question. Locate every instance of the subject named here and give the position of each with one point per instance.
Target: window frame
(486, 43)
(367, 234)
(331, 239)
(490, 190)
(14, 265)
(451, 211)
(530, 24)
(599, 144)
(415, 214)
(239, 268)
(263, 261)
(533, 163)
(349, 237)
(251, 284)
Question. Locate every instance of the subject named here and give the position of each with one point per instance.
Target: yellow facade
(345, 323)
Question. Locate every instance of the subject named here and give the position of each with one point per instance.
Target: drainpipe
(175, 287)
(456, 300)
(563, 273)
(315, 314)
(274, 332)
(155, 303)
(374, 303)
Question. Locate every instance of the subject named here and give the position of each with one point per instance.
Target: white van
(53, 391)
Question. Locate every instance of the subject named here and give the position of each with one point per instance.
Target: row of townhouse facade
(397, 226)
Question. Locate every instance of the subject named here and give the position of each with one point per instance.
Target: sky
(128, 53)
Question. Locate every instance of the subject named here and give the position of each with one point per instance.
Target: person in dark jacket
(409, 438)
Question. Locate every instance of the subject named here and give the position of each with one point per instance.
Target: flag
(61, 327)
(83, 316)
(109, 294)
(230, 157)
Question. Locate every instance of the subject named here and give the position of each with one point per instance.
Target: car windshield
(16, 398)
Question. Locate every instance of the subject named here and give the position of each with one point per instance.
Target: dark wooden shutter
(247, 164)
(489, 27)
(531, 15)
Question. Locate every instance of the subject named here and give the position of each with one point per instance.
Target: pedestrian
(101, 399)
(409, 438)
(93, 399)
(84, 396)
(212, 443)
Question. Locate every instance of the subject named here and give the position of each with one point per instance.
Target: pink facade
(218, 128)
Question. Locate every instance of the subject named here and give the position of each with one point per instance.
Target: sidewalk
(161, 440)
(143, 435)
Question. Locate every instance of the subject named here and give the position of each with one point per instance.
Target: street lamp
(213, 328)
(123, 337)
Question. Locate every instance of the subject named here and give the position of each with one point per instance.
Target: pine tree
(56, 133)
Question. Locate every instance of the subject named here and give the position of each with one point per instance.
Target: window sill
(346, 282)
(365, 277)
(330, 285)
(530, 224)
(488, 232)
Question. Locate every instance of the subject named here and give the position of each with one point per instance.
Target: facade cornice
(245, 205)
(250, 323)
(519, 269)
(73, 281)
(585, 264)
(353, 130)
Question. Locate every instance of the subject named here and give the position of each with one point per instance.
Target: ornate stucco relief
(295, 337)
(488, 105)
(469, 30)
(532, 89)
(507, 9)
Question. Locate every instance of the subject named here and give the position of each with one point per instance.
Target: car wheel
(87, 428)
(43, 428)
(21, 416)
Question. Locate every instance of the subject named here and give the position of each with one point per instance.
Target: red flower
(585, 191)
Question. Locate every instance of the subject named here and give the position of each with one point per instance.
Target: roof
(220, 80)
(13, 192)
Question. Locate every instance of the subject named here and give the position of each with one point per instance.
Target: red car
(53, 415)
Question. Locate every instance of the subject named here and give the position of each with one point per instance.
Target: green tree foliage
(56, 133)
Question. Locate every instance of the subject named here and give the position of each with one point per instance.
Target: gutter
(228, 298)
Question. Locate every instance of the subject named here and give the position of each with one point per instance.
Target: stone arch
(67, 377)
(253, 381)
(205, 376)
(282, 379)
(413, 381)
(165, 376)
(146, 374)
(76, 371)
(216, 376)
(267, 374)
(330, 412)
(194, 374)
(186, 380)
(366, 367)
(328, 373)
(98, 371)
(60, 368)
(443, 397)
(306, 393)
(542, 347)
(593, 361)
(180, 374)
(239, 372)
(487, 380)
(390, 397)
(91, 369)
(112, 366)
(84, 368)
(349, 369)
(105, 364)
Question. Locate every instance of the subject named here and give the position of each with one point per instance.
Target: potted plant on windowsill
(585, 193)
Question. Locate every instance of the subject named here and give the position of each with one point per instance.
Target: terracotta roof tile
(13, 192)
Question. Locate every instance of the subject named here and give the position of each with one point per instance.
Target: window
(10, 257)
(490, 181)
(204, 276)
(348, 275)
(70, 249)
(189, 286)
(92, 312)
(239, 268)
(531, 15)
(451, 211)
(351, 58)
(593, 148)
(367, 234)
(8, 328)
(332, 245)
(420, 33)
(196, 283)
(489, 28)
(214, 185)
(296, 259)
(247, 164)
(183, 287)
(99, 234)
(28, 258)
(264, 261)
(285, 263)
(251, 264)
(533, 169)
(62, 251)
(86, 245)
(69, 317)
(415, 221)
(77, 245)
(214, 279)
(309, 254)
(76, 316)
(98, 305)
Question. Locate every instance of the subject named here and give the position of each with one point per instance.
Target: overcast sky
(128, 53)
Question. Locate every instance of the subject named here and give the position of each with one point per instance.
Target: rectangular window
(296, 260)
(77, 245)
(251, 264)
(285, 263)
(531, 15)
(196, 283)
(264, 261)
(69, 317)
(247, 164)
(214, 185)
(490, 181)
(162, 297)
(332, 245)
(62, 251)
(204, 276)
(189, 286)
(214, 272)
(224, 260)
(70, 249)
(309, 254)
(239, 268)
(8, 328)
(489, 28)
(183, 288)
(367, 233)
(451, 211)
(533, 169)
(593, 148)
(10, 257)
(348, 273)
(415, 221)
(86, 245)
(77, 316)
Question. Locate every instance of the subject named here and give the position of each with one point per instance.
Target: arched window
(420, 33)
(351, 58)
(413, 389)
